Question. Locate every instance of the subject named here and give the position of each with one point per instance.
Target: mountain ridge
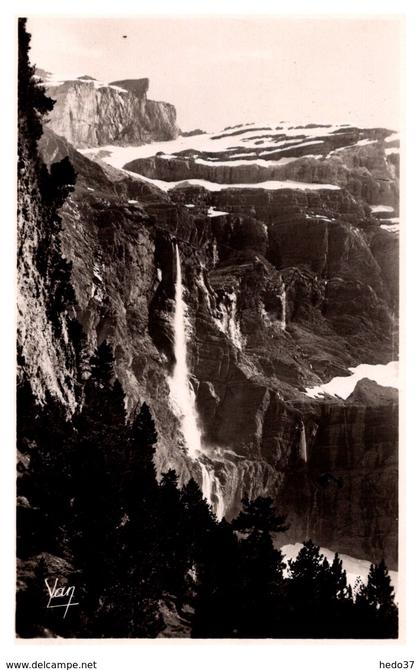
(89, 113)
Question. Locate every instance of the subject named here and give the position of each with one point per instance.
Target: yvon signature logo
(60, 596)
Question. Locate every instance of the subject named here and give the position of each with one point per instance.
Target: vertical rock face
(347, 493)
(46, 354)
(284, 289)
(89, 113)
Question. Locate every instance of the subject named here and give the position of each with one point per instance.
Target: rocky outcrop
(357, 160)
(89, 113)
(346, 169)
(44, 353)
(346, 495)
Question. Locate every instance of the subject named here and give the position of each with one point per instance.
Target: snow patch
(342, 387)
(364, 143)
(272, 185)
(242, 163)
(211, 212)
(393, 138)
(377, 209)
(395, 228)
(59, 80)
(354, 567)
(391, 220)
(206, 143)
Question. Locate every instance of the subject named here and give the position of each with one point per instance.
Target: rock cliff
(286, 287)
(90, 113)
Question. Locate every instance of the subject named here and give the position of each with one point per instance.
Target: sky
(220, 71)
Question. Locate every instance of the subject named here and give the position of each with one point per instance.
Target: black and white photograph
(207, 328)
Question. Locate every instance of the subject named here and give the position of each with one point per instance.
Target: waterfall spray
(303, 452)
(181, 393)
(283, 307)
(183, 399)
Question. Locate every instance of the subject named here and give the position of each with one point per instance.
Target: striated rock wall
(43, 356)
(347, 493)
(89, 115)
(365, 171)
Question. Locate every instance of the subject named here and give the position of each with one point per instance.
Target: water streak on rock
(303, 450)
(183, 399)
(283, 308)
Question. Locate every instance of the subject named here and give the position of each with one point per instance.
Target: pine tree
(377, 613)
(33, 104)
(198, 519)
(261, 599)
(309, 575)
(176, 552)
(319, 599)
(104, 397)
(131, 601)
(338, 581)
(102, 365)
(259, 514)
(218, 586)
(261, 607)
(144, 437)
(97, 465)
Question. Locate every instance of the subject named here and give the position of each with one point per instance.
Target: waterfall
(233, 324)
(215, 253)
(206, 483)
(228, 323)
(181, 393)
(212, 489)
(283, 308)
(302, 445)
(183, 400)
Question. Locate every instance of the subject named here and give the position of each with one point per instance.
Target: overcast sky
(223, 71)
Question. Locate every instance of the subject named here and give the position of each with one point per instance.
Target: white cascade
(228, 323)
(212, 490)
(303, 452)
(220, 504)
(215, 253)
(183, 400)
(181, 392)
(234, 328)
(283, 308)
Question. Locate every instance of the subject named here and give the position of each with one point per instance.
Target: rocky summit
(287, 241)
(88, 112)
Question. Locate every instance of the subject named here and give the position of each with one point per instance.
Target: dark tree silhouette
(377, 613)
(248, 584)
(33, 104)
(259, 514)
(176, 555)
(218, 588)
